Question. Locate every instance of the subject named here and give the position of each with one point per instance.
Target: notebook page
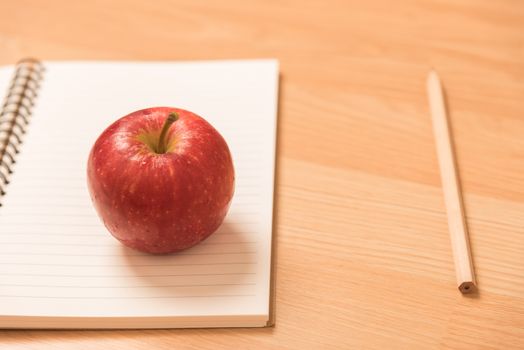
(57, 259)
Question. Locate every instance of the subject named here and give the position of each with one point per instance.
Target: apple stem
(162, 144)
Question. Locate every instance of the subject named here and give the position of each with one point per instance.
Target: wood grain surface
(363, 257)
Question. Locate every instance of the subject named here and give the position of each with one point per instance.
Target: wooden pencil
(451, 187)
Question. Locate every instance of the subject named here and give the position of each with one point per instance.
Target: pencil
(451, 188)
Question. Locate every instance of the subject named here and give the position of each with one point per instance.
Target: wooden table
(363, 257)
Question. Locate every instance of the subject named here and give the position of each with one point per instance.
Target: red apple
(161, 179)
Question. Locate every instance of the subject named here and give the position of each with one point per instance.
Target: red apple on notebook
(161, 179)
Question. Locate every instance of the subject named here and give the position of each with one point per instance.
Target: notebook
(60, 267)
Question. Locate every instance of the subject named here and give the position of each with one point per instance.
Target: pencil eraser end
(467, 287)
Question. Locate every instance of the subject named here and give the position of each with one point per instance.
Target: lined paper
(56, 258)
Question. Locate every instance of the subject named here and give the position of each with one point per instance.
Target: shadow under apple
(223, 264)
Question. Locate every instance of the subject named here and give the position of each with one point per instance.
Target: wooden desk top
(363, 253)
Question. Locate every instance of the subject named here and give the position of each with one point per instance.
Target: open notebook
(60, 267)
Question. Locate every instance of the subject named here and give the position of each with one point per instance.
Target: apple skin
(161, 203)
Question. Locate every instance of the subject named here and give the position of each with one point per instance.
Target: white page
(56, 257)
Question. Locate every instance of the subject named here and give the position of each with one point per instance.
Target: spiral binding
(15, 114)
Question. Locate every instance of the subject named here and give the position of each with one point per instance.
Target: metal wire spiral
(15, 115)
